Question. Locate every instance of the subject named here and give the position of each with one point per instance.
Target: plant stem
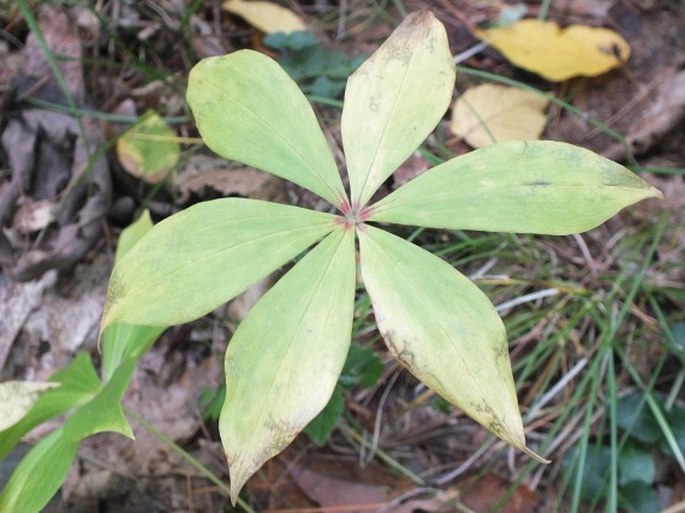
(387, 459)
(188, 457)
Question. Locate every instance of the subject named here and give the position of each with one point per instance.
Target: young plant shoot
(283, 362)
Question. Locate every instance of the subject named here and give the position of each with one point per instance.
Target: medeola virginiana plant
(283, 361)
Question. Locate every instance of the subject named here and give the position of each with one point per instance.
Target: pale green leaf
(541, 187)
(132, 234)
(394, 100)
(39, 475)
(17, 398)
(443, 329)
(284, 360)
(122, 341)
(79, 383)
(248, 109)
(193, 261)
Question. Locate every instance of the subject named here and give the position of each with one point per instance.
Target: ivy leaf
(541, 187)
(283, 361)
(192, 262)
(248, 109)
(443, 329)
(384, 118)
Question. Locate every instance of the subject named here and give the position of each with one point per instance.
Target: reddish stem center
(355, 215)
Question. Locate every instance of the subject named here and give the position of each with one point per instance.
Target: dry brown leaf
(410, 169)
(334, 494)
(488, 490)
(266, 16)
(555, 53)
(203, 177)
(491, 113)
(17, 301)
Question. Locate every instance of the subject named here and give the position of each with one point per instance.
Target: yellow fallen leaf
(491, 113)
(266, 16)
(555, 53)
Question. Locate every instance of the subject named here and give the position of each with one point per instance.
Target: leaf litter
(490, 113)
(603, 98)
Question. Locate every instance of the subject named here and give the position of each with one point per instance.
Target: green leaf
(638, 497)
(103, 412)
(122, 341)
(394, 100)
(132, 234)
(526, 187)
(320, 429)
(17, 398)
(39, 475)
(194, 261)
(41, 472)
(297, 40)
(211, 402)
(443, 329)
(318, 71)
(362, 367)
(284, 359)
(634, 416)
(595, 476)
(248, 109)
(676, 423)
(635, 463)
(79, 383)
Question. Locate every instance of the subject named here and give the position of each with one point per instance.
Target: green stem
(188, 457)
(385, 457)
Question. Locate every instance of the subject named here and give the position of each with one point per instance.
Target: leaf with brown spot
(443, 329)
(284, 360)
(389, 109)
